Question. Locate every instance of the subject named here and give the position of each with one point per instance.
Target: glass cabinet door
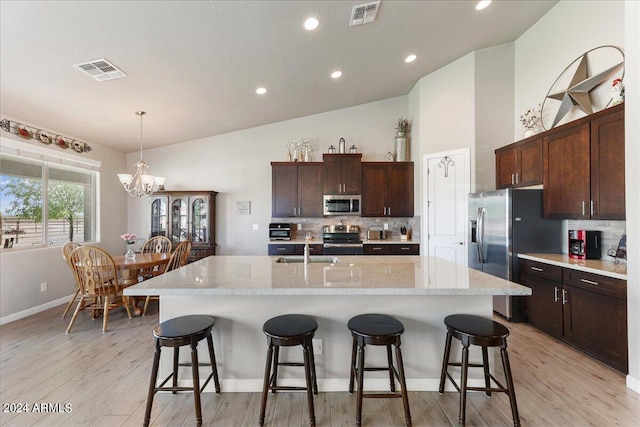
(179, 220)
(199, 218)
(159, 217)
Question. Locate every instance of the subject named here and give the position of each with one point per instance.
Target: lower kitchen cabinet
(392, 249)
(588, 311)
(294, 249)
(544, 306)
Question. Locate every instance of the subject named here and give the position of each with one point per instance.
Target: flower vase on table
(129, 239)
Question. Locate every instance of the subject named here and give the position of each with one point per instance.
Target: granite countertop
(596, 266)
(351, 275)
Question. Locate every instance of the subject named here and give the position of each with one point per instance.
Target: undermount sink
(312, 260)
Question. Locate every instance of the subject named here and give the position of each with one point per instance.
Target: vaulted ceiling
(194, 66)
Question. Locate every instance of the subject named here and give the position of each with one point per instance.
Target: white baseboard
(633, 383)
(33, 310)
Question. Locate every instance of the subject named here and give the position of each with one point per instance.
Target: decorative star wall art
(583, 81)
(29, 132)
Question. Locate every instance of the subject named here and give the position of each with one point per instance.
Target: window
(46, 202)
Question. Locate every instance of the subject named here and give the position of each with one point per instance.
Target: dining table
(130, 269)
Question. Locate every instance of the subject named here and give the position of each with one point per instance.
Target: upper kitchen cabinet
(607, 167)
(186, 215)
(583, 164)
(519, 164)
(387, 189)
(296, 189)
(342, 173)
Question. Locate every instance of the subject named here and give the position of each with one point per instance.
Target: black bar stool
(286, 331)
(476, 330)
(377, 329)
(178, 332)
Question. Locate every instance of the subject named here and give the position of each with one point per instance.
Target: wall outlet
(44, 286)
(386, 226)
(256, 227)
(317, 346)
(299, 226)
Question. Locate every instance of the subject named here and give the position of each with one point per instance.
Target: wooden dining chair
(67, 248)
(97, 278)
(178, 259)
(159, 245)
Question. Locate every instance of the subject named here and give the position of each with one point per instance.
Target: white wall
(541, 54)
(237, 165)
(22, 271)
(494, 76)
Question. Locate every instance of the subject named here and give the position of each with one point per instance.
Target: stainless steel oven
(341, 204)
(342, 240)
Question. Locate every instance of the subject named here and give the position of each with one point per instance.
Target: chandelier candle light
(141, 183)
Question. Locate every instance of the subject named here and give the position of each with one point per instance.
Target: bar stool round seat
(483, 332)
(377, 330)
(286, 331)
(178, 332)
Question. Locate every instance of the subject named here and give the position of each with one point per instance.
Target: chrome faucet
(306, 252)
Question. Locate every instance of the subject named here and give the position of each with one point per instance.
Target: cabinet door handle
(376, 248)
(584, 209)
(389, 210)
(384, 211)
(564, 297)
(513, 178)
(517, 177)
(536, 269)
(593, 207)
(555, 294)
(404, 248)
(281, 249)
(589, 282)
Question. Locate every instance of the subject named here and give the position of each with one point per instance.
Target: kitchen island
(242, 292)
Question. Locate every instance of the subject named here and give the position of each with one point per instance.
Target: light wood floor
(105, 376)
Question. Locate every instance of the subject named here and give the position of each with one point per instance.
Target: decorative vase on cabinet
(401, 147)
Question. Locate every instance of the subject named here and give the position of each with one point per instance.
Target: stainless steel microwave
(341, 204)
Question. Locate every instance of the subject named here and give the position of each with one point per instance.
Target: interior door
(447, 185)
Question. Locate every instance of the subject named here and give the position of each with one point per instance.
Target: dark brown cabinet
(519, 164)
(294, 249)
(296, 189)
(387, 189)
(392, 249)
(586, 310)
(186, 215)
(607, 167)
(583, 168)
(342, 174)
(544, 307)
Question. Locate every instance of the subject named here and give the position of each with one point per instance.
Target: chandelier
(141, 183)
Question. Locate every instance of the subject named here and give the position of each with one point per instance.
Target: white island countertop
(351, 275)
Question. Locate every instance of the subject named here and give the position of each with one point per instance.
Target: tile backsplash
(314, 225)
(611, 232)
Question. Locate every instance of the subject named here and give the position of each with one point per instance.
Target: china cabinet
(186, 215)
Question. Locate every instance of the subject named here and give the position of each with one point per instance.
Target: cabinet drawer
(282, 249)
(604, 285)
(541, 269)
(314, 249)
(377, 249)
(408, 249)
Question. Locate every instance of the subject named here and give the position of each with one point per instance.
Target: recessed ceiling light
(482, 4)
(261, 91)
(410, 58)
(336, 74)
(311, 24)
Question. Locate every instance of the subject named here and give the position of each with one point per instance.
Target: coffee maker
(585, 244)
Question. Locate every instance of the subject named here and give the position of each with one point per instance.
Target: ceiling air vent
(100, 70)
(364, 13)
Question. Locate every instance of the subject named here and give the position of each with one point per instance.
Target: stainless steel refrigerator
(504, 223)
